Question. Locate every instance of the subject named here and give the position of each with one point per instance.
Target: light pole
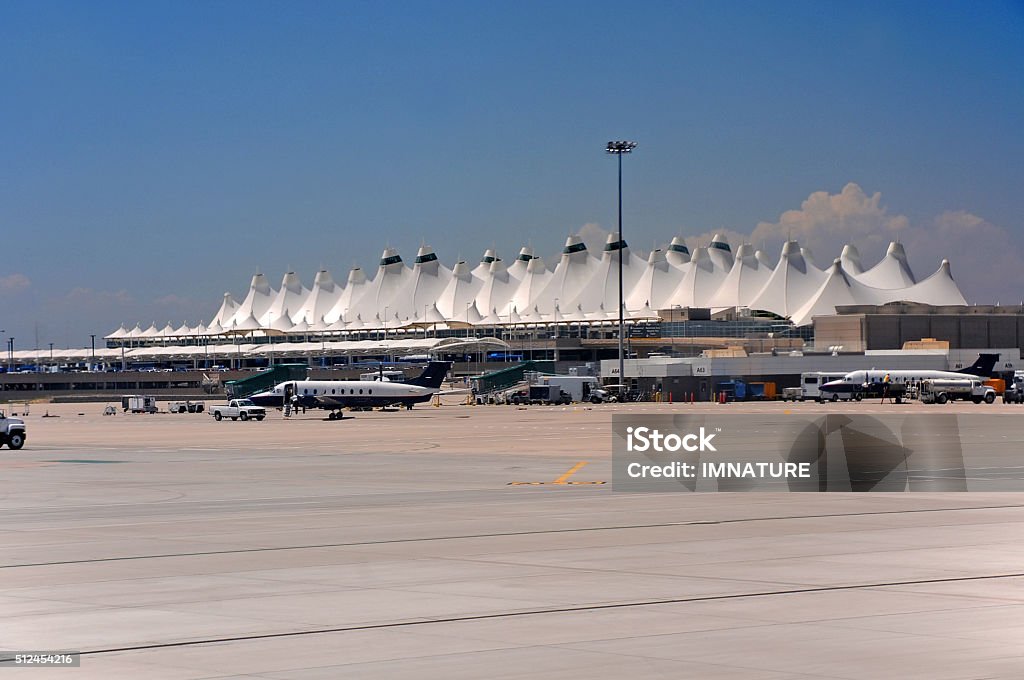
(385, 334)
(93, 337)
(618, 148)
(554, 338)
(674, 331)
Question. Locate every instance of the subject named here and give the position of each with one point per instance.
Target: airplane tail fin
(432, 375)
(983, 366)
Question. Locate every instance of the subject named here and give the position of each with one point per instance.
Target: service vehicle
(12, 431)
(238, 409)
(518, 397)
(1014, 394)
(579, 387)
(810, 384)
(549, 394)
(186, 406)
(942, 390)
(792, 393)
(138, 403)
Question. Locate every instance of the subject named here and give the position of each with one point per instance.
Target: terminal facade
(679, 305)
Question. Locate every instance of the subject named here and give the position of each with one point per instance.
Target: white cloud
(595, 236)
(984, 257)
(13, 283)
(88, 297)
(174, 301)
(826, 222)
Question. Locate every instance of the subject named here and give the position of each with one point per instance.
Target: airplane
(854, 384)
(335, 395)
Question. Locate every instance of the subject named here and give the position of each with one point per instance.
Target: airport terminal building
(677, 303)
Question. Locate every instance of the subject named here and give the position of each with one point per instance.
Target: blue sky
(154, 155)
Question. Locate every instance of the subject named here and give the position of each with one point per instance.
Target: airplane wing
(321, 401)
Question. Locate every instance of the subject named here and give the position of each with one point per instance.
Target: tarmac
(480, 542)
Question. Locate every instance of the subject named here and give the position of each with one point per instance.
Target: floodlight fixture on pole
(618, 148)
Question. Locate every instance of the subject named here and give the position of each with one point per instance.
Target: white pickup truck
(238, 409)
(12, 431)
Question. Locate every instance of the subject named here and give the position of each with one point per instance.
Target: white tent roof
(677, 254)
(643, 313)
(256, 303)
(655, 286)
(701, 279)
(433, 315)
(837, 289)
(322, 297)
(850, 259)
(228, 307)
(720, 253)
(121, 332)
(572, 315)
(281, 324)
(791, 284)
(891, 272)
(584, 288)
(497, 290)
(743, 282)
(492, 319)
(427, 281)
(529, 290)
(480, 271)
(353, 292)
(572, 273)
(249, 323)
(938, 289)
(468, 315)
(517, 269)
(385, 291)
(841, 288)
(287, 302)
(603, 286)
(462, 289)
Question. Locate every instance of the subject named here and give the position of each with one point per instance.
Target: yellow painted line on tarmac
(573, 470)
(561, 481)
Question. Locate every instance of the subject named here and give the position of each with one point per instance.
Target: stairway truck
(12, 431)
(943, 390)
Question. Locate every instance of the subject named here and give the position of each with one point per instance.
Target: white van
(810, 384)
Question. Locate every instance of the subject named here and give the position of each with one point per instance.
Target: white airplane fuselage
(856, 380)
(338, 394)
